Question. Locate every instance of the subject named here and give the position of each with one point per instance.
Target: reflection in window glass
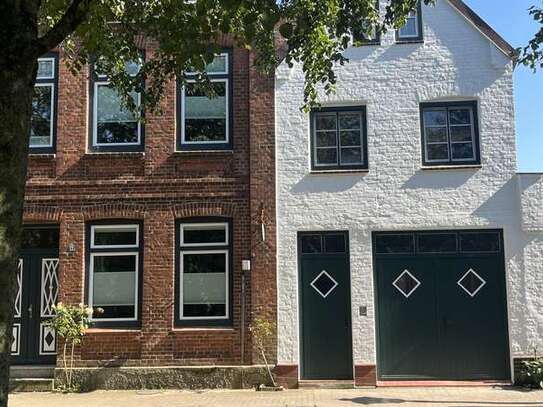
(395, 244)
(480, 242)
(115, 124)
(205, 117)
(41, 129)
(311, 244)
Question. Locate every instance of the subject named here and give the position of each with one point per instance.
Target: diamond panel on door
(406, 283)
(471, 282)
(49, 296)
(324, 284)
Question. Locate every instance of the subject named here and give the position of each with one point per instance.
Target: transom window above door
(205, 115)
(204, 272)
(114, 127)
(338, 139)
(450, 133)
(114, 270)
(44, 106)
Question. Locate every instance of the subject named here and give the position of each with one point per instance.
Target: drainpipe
(245, 267)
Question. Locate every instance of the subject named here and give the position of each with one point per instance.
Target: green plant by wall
(533, 371)
(262, 330)
(70, 323)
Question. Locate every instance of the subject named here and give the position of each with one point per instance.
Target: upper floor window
(44, 102)
(114, 263)
(450, 133)
(412, 30)
(338, 138)
(113, 126)
(204, 122)
(365, 32)
(204, 276)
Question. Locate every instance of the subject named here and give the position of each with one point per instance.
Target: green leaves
(532, 55)
(70, 322)
(187, 33)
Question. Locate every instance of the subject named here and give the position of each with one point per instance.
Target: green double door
(442, 312)
(325, 306)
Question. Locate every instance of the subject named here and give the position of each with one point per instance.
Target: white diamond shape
(483, 283)
(324, 295)
(395, 283)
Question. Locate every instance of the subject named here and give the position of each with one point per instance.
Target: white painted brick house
(408, 246)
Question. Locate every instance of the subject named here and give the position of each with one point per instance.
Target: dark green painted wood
(326, 346)
(440, 332)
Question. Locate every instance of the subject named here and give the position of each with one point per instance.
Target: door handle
(30, 311)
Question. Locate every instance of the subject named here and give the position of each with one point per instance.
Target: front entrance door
(441, 306)
(37, 292)
(325, 306)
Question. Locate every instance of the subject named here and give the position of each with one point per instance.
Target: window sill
(339, 172)
(42, 155)
(119, 153)
(407, 41)
(204, 151)
(118, 330)
(451, 167)
(203, 329)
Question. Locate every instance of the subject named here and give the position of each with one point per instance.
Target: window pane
(204, 234)
(349, 121)
(311, 244)
(115, 236)
(218, 65)
(480, 242)
(435, 117)
(460, 116)
(204, 284)
(334, 243)
(326, 138)
(394, 244)
(410, 28)
(351, 155)
(40, 238)
(115, 124)
(40, 130)
(45, 69)
(132, 67)
(325, 121)
(350, 138)
(205, 118)
(437, 243)
(436, 134)
(326, 156)
(460, 133)
(462, 151)
(438, 151)
(114, 264)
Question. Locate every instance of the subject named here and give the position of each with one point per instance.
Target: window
(450, 133)
(366, 34)
(205, 122)
(44, 101)
(412, 30)
(114, 262)
(323, 242)
(204, 277)
(114, 127)
(338, 139)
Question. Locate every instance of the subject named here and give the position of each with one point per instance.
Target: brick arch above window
(113, 211)
(204, 209)
(41, 213)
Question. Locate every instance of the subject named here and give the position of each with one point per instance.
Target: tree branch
(75, 14)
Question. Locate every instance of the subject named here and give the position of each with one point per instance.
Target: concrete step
(32, 372)
(326, 384)
(30, 385)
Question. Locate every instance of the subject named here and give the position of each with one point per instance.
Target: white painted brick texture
(454, 62)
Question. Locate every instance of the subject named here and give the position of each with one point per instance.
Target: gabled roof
(484, 28)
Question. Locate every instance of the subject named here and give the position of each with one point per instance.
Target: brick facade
(157, 187)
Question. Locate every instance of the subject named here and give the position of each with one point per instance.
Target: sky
(511, 20)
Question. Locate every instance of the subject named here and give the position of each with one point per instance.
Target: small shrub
(70, 323)
(262, 330)
(533, 371)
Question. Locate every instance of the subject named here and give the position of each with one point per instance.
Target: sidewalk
(382, 397)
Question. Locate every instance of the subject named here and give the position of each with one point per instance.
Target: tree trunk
(16, 89)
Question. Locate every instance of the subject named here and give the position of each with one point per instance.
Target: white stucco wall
(455, 62)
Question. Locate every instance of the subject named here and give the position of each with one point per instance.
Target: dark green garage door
(441, 306)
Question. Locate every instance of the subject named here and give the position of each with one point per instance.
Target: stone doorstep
(22, 385)
(32, 372)
(326, 384)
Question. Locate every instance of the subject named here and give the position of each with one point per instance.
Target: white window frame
(51, 128)
(123, 226)
(227, 110)
(413, 15)
(449, 141)
(91, 284)
(53, 70)
(225, 72)
(226, 253)
(202, 225)
(95, 143)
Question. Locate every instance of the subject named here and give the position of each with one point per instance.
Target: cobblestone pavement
(404, 397)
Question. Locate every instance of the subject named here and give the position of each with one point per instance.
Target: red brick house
(167, 226)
